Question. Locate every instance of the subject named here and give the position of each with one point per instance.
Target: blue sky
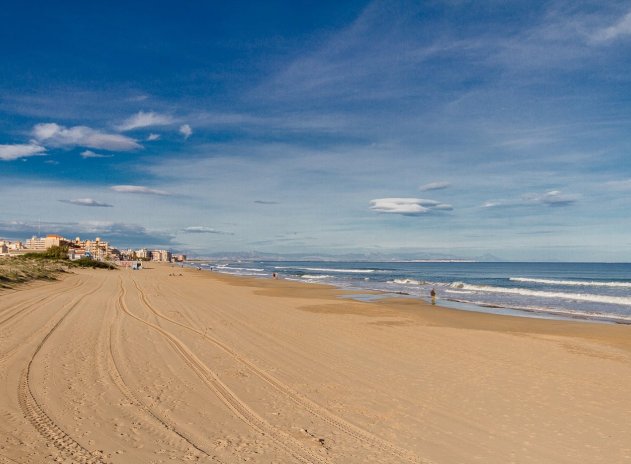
(400, 128)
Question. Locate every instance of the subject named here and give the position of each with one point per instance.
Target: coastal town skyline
(382, 128)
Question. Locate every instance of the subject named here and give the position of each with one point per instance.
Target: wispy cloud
(265, 202)
(87, 202)
(434, 186)
(407, 206)
(151, 137)
(204, 230)
(620, 184)
(90, 154)
(186, 131)
(621, 28)
(142, 119)
(554, 198)
(13, 152)
(55, 135)
(138, 189)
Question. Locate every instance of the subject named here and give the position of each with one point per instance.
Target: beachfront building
(161, 255)
(179, 258)
(98, 249)
(44, 243)
(4, 249)
(95, 249)
(11, 245)
(143, 253)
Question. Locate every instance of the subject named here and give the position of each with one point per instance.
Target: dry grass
(15, 271)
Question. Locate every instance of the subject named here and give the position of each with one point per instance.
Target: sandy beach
(150, 367)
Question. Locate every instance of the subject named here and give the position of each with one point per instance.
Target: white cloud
(13, 152)
(59, 136)
(91, 154)
(620, 184)
(153, 137)
(550, 198)
(434, 186)
(186, 131)
(407, 206)
(86, 202)
(617, 30)
(204, 230)
(142, 119)
(138, 189)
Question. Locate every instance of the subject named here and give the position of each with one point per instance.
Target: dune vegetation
(45, 265)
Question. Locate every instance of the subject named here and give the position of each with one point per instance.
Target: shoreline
(454, 303)
(413, 306)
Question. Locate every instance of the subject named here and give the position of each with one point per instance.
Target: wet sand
(146, 367)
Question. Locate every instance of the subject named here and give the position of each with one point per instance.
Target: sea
(588, 291)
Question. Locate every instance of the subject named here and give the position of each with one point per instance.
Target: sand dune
(147, 367)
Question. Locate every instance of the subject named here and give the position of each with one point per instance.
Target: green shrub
(87, 262)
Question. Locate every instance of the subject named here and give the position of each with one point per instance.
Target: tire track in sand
(24, 307)
(239, 408)
(5, 355)
(115, 374)
(38, 417)
(323, 414)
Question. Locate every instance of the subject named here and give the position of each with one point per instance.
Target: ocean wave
(406, 282)
(577, 283)
(606, 299)
(251, 269)
(319, 276)
(559, 312)
(326, 269)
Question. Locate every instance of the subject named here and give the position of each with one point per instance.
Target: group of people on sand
(175, 275)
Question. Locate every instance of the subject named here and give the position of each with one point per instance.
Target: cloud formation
(86, 202)
(13, 152)
(553, 198)
(265, 202)
(138, 189)
(550, 198)
(53, 134)
(615, 31)
(407, 206)
(620, 184)
(151, 137)
(91, 154)
(142, 119)
(186, 131)
(204, 230)
(434, 186)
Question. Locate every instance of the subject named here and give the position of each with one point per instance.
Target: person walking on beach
(433, 295)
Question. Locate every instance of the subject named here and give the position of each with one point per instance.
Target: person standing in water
(433, 295)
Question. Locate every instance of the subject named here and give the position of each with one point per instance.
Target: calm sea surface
(599, 291)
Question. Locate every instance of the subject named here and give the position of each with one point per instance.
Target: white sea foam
(606, 299)
(564, 312)
(325, 269)
(406, 282)
(577, 283)
(319, 276)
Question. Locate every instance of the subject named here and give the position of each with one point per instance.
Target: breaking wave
(572, 283)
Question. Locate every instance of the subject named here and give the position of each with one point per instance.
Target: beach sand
(146, 367)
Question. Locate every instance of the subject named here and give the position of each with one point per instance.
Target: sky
(403, 129)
